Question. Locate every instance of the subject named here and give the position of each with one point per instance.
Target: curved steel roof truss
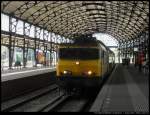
(122, 19)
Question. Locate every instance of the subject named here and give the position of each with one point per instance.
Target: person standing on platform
(140, 60)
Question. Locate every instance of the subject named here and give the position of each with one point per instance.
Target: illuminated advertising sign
(40, 57)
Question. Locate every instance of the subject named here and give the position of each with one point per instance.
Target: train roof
(98, 44)
(78, 44)
(86, 41)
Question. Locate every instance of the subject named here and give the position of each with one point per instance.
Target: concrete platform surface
(126, 91)
(25, 73)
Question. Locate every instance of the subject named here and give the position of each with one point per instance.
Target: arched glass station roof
(123, 20)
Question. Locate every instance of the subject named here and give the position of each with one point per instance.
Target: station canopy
(124, 20)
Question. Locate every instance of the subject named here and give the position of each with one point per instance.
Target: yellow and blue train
(83, 65)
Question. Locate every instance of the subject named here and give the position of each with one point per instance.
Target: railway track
(75, 103)
(81, 102)
(70, 105)
(32, 101)
(51, 99)
(48, 99)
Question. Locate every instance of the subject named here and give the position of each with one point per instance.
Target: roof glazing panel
(121, 19)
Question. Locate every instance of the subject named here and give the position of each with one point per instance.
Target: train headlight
(89, 72)
(77, 63)
(66, 72)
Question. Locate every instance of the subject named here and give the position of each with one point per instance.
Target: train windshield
(78, 53)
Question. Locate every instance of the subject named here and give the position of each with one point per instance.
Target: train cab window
(78, 53)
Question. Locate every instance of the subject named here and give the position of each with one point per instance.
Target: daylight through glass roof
(123, 20)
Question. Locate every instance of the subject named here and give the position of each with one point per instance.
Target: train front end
(78, 67)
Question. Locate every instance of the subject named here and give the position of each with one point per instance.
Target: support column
(12, 25)
(44, 51)
(24, 45)
(10, 42)
(50, 49)
(119, 53)
(126, 50)
(35, 56)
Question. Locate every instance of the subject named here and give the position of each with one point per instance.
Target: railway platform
(26, 72)
(17, 82)
(126, 91)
